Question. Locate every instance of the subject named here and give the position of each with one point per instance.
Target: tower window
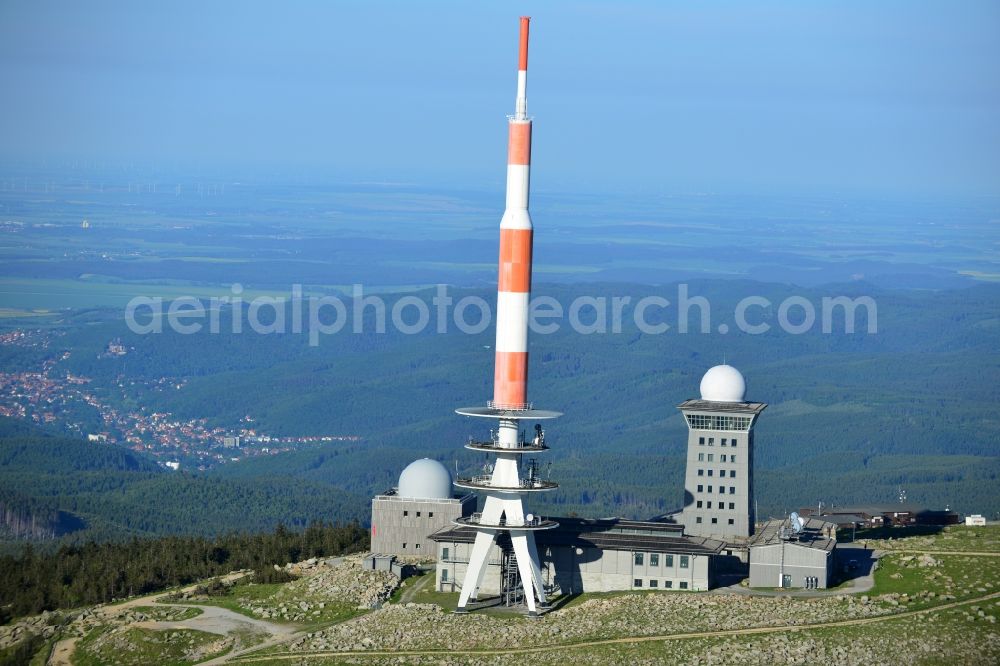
(418, 514)
(723, 441)
(654, 583)
(701, 488)
(701, 472)
(722, 490)
(444, 553)
(430, 514)
(638, 559)
(684, 585)
(732, 443)
(637, 582)
(715, 521)
(732, 458)
(684, 561)
(731, 521)
(405, 514)
(710, 489)
(444, 575)
(669, 562)
(699, 504)
(418, 545)
(654, 559)
(711, 457)
(710, 472)
(697, 520)
(668, 583)
(709, 505)
(732, 473)
(732, 506)
(722, 472)
(711, 441)
(701, 441)
(701, 457)
(722, 458)
(732, 490)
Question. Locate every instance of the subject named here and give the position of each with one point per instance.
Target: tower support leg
(526, 570)
(478, 559)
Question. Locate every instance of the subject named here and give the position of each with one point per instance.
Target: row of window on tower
(430, 514)
(722, 505)
(711, 457)
(722, 489)
(711, 441)
(707, 422)
(715, 521)
(722, 473)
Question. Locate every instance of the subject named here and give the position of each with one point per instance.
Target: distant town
(51, 395)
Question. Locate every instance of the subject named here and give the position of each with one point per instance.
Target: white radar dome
(425, 479)
(723, 383)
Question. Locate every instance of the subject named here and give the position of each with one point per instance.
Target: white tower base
(503, 511)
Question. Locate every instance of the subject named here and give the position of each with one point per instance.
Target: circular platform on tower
(476, 520)
(494, 447)
(485, 482)
(506, 413)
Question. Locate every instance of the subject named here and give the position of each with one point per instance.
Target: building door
(786, 580)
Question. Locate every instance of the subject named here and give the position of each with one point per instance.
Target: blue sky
(893, 97)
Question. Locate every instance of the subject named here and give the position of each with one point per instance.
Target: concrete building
(975, 520)
(591, 556)
(404, 517)
(780, 557)
(718, 483)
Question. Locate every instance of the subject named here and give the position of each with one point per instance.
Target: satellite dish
(530, 517)
(796, 522)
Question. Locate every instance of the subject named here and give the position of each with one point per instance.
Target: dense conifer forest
(92, 573)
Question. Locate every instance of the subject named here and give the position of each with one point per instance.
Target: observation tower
(505, 483)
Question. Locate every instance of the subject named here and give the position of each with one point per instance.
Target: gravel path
(212, 619)
(216, 620)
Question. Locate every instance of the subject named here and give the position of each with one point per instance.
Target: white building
(975, 520)
(582, 555)
(404, 517)
(780, 557)
(718, 483)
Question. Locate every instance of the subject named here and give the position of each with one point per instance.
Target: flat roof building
(405, 516)
(781, 557)
(582, 555)
(884, 515)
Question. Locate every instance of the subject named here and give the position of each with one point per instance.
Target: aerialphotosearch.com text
(322, 315)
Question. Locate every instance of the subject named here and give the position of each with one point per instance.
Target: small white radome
(723, 383)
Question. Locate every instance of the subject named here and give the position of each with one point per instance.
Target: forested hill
(57, 487)
(852, 417)
(46, 454)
